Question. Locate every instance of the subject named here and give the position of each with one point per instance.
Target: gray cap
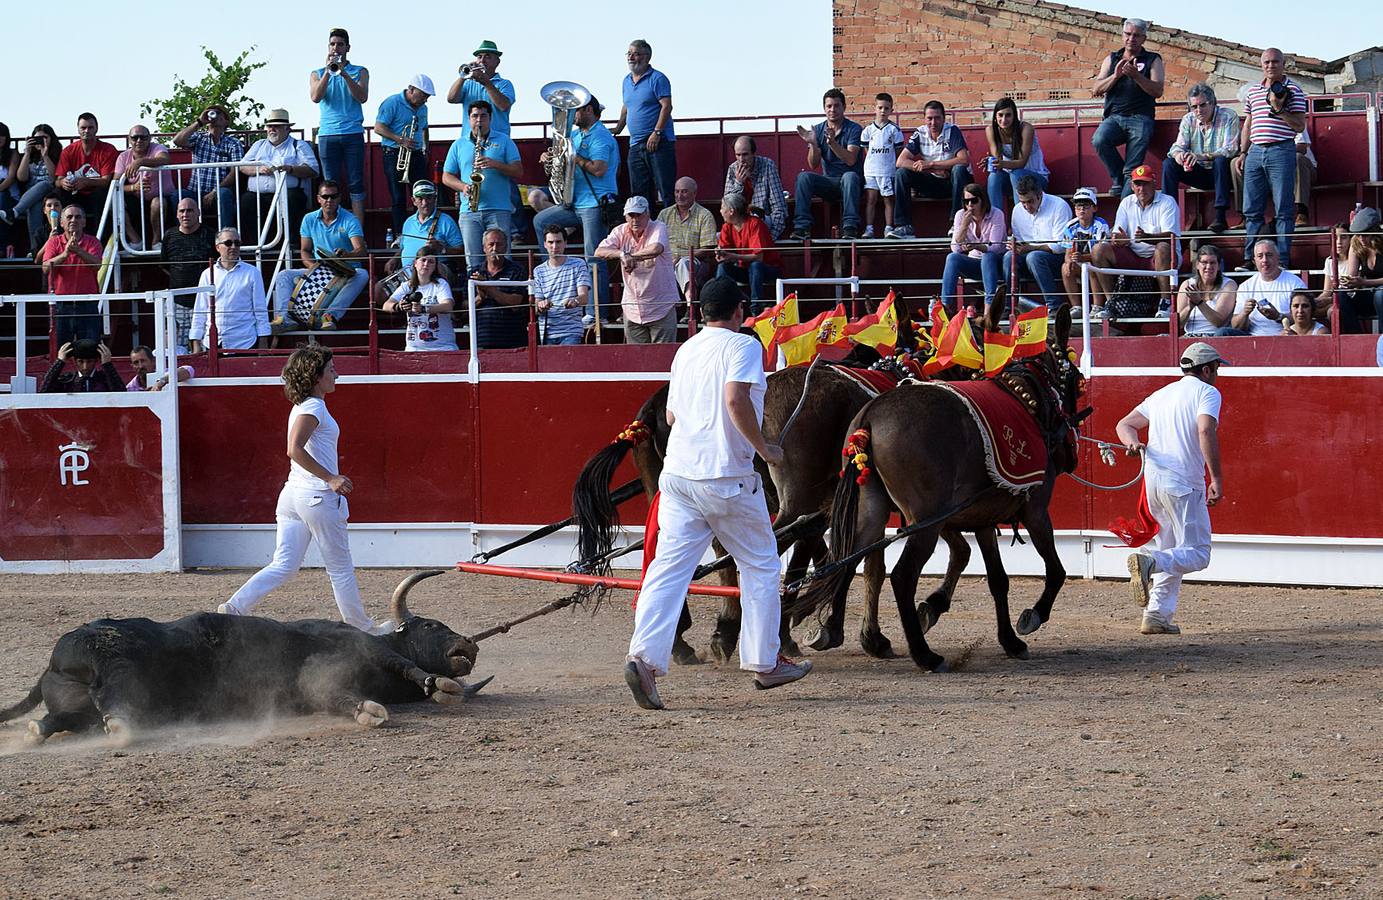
(1200, 353)
(636, 204)
(1366, 219)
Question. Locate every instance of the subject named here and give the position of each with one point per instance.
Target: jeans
(988, 269)
(592, 233)
(31, 205)
(79, 319)
(846, 188)
(1270, 167)
(1219, 177)
(473, 228)
(283, 290)
(652, 175)
(1135, 132)
(1045, 267)
(758, 275)
(1004, 184)
(255, 210)
(343, 161)
(398, 192)
(663, 331)
(905, 181)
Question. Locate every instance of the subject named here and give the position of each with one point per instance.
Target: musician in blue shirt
(483, 84)
(401, 123)
(341, 88)
(496, 159)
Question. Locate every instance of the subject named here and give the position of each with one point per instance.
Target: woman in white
(1206, 300)
(1301, 316)
(312, 505)
(1013, 153)
(426, 300)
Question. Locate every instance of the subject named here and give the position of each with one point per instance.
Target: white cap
(636, 204)
(1085, 193)
(424, 84)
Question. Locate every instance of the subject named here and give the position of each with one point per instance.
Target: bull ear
(994, 313)
(1063, 327)
(398, 605)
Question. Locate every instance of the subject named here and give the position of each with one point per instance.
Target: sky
(723, 57)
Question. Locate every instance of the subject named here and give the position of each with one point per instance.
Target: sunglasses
(139, 137)
(230, 243)
(971, 200)
(328, 196)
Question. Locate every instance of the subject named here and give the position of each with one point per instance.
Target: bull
(130, 674)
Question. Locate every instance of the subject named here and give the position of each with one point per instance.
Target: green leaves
(222, 85)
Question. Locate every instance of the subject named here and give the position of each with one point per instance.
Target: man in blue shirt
(834, 145)
(648, 112)
(341, 88)
(401, 114)
(496, 160)
(597, 162)
(329, 232)
(428, 227)
(483, 84)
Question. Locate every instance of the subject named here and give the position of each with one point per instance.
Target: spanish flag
(879, 329)
(799, 343)
(998, 352)
(767, 323)
(956, 348)
(831, 331)
(1029, 333)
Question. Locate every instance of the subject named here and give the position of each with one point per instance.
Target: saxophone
(477, 176)
(565, 97)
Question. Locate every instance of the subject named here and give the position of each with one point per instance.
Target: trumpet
(466, 70)
(405, 162)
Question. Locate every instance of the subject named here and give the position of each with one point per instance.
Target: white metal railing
(473, 364)
(1087, 362)
(20, 382)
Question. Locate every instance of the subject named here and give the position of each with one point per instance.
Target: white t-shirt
(704, 442)
(1174, 447)
(428, 330)
(1278, 292)
(1046, 226)
(1161, 215)
(881, 148)
(321, 444)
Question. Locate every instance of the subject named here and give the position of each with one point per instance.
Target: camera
(212, 115)
(1278, 89)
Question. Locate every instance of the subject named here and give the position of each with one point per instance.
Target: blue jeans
(31, 205)
(1270, 167)
(847, 189)
(759, 275)
(473, 228)
(592, 233)
(1044, 267)
(905, 181)
(1004, 184)
(1219, 178)
(343, 161)
(652, 175)
(78, 320)
(283, 289)
(988, 269)
(1135, 132)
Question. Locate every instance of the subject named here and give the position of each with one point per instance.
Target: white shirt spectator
(292, 152)
(1046, 226)
(242, 316)
(881, 149)
(1278, 292)
(1160, 216)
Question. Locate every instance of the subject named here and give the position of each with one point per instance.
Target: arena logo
(73, 461)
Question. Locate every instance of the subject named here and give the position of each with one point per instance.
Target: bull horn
(398, 606)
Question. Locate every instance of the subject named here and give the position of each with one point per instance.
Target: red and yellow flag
(831, 331)
(879, 329)
(998, 352)
(1029, 333)
(955, 348)
(800, 343)
(767, 323)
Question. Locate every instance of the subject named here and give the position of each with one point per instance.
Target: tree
(223, 85)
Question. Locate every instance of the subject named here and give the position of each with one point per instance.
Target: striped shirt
(1220, 139)
(1264, 127)
(558, 284)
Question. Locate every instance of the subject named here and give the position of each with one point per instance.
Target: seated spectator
(1147, 232)
(215, 189)
(1205, 301)
(977, 250)
(94, 370)
(1013, 153)
(650, 286)
(757, 178)
(1130, 80)
(278, 152)
(1362, 274)
(146, 189)
(427, 302)
(1331, 284)
(187, 249)
(935, 162)
(488, 202)
(501, 314)
(142, 361)
(340, 88)
(690, 227)
(1264, 297)
(1078, 237)
(428, 228)
(242, 315)
(1038, 219)
(85, 169)
(562, 287)
(1301, 316)
(1207, 141)
(329, 232)
(745, 251)
(71, 260)
(9, 180)
(37, 164)
(881, 140)
(834, 146)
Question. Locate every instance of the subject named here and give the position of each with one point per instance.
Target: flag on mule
(879, 329)
(767, 323)
(998, 352)
(1030, 333)
(799, 343)
(956, 348)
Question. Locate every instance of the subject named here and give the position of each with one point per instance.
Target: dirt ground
(1239, 759)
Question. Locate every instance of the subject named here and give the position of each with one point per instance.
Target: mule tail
(821, 593)
(34, 699)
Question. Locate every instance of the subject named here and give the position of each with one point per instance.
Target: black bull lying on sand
(126, 674)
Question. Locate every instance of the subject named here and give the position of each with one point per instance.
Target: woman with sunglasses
(427, 302)
(977, 249)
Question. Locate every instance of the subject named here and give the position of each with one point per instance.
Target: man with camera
(1274, 114)
(477, 81)
(214, 188)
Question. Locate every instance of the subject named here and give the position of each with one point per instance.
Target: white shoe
(6, 217)
(388, 626)
(1140, 569)
(226, 609)
(869, 232)
(1099, 312)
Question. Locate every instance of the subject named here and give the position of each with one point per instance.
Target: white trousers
(304, 516)
(1182, 544)
(690, 512)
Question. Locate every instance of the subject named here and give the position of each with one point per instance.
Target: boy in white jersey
(882, 140)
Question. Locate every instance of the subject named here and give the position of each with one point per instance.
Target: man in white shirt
(242, 316)
(709, 489)
(279, 152)
(1038, 220)
(1266, 296)
(1147, 234)
(1183, 443)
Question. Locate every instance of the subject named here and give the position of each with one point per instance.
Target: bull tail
(34, 699)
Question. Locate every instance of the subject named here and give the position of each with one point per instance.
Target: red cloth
(872, 380)
(650, 543)
(74, 158)
(1019, 452)
(754, 235)
(73, 275)
(1136, 532)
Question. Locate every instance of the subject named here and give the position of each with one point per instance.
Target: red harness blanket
(1014, 452)
(876, 381)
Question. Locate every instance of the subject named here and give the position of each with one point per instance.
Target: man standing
(1183, 443)
(935, 162)
(242, 316)
(1274, 114)
(94, 370)
(744, 252)
(330, 231)
(401, 124)
(1207, 140)
(834, 145)
(278, 152)
(1147, 234)
(690, 227)
(1265, 298)
(85, 169)
(757, 178)
(478, 81)
(1130, 80)
(647, 109)
(341, 88)
(186, 251)
(501, 314)
(215, 188)
(71, 260)
(493, 157)
(709, 489)
(650, 287)
(1034, 243)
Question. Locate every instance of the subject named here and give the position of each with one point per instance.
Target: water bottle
(389, 238)
(9, 252)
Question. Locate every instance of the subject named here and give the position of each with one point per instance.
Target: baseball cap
(1142, 173)
(636, 204)
(422, 83)
(1200, 353)
(1084, 194)
(424, 188)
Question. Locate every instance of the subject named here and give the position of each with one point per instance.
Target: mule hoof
(940, 667)
(121, 735)
(927, 616)
(1018, 651)
(876, 645)
(789, 646)
(684, 655)
(1029, 622)
(35, 735)
(825, 639)
(371, 714)
(722, 647)
(448, 692)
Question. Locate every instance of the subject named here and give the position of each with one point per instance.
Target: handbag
(611, 209)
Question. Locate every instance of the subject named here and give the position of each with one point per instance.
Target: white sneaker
(890, 231)
(1140, 569)
(388, 626)
(5, 217)
(869, 232)
(226, 609)
(1099, 312)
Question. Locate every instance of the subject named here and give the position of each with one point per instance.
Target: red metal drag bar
(631, 584)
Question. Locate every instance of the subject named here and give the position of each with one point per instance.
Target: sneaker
(328, 322)
(587, 321)
(869, 232)
(785, 672)
(1155, 624)
(850, 233)
(1140, 569)
(6, 217)
(642, 683)
(226, 609)
(902, 232)
(388, 626)
(890, 231)
(1164, 309)
(1099, 312)
(799, 234)
(279, 325)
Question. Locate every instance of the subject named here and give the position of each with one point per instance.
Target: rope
(802, 401)
(1107, 457)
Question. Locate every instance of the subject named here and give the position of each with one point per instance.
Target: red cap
(1142, 173)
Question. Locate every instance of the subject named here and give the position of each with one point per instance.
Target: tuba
(565, 98)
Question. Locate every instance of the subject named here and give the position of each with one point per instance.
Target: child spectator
(1083, 231)
(882, 140)
(561, 286)
(427, 301)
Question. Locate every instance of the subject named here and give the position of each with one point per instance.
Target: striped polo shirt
(1267, 128)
